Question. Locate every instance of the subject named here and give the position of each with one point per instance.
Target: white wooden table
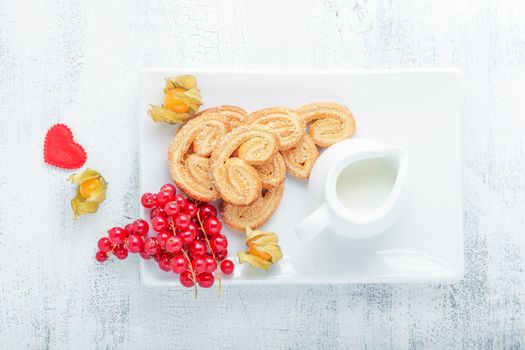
(77, 62)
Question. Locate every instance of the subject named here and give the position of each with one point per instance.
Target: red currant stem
(212, 254)
(191, 270)
(219, 279)
(112, 250)
(172, 226)
(206, 238)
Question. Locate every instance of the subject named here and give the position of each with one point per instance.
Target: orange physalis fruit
(252, 249)
(182, 100)
(87, 187)
(263, 249)
(91, 191)
(173, 103)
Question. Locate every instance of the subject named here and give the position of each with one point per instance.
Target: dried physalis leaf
(91, 191)
(162, 115)
(182, 99)
(263, 249)
(186, 82)
(191, 97)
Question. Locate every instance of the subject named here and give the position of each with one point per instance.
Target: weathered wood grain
(77, 62)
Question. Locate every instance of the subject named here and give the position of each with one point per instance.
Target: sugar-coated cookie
(283, 122)
(272, 173)
(301, 159)
(235, 178)
(330, 122)
(254, 215)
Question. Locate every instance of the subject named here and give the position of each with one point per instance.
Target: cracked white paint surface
(77, 62)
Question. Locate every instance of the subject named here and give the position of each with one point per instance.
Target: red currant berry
(172, 208)
(174, 244)
(193, 228)
(207, 210)
(159, 223)
(178, 264)
(197, 248)
(198, 264)
(190, 209)
(182, 220)
(205, 279)
(212, 226)
(104, 245)
(148, 200)
(186, 279)
(211, 264)
(222, 255)
(218, 243)
(162, 238)
(101, 256)
(164, 263)
(186, 236)
(140, 227)
(201, 236)
(117, 235)
(120, 252)
(169, 188)
(144, 255)
(227, 267)
(160, 255)
(129, 229)
(163, 198)
(151, 246)
(135, 244)
(181, 199)
(157, 212)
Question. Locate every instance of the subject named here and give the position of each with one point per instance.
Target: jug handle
(314, 224)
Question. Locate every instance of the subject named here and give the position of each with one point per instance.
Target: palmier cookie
(272, 173)
(331, 122)
(236, 179)
(208, 136)
(254, 215)
(191, 172)
(287, 125)
(233, 115)
(301, 159)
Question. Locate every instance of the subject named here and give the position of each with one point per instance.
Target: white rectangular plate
(416, 109)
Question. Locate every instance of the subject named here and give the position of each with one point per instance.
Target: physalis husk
(91, 191)
(263, 250)
(181, 100)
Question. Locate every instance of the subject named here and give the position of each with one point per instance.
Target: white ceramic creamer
(356, 188)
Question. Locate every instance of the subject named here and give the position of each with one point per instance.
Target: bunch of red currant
(188, 238)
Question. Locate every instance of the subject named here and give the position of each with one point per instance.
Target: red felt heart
(61, 150)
